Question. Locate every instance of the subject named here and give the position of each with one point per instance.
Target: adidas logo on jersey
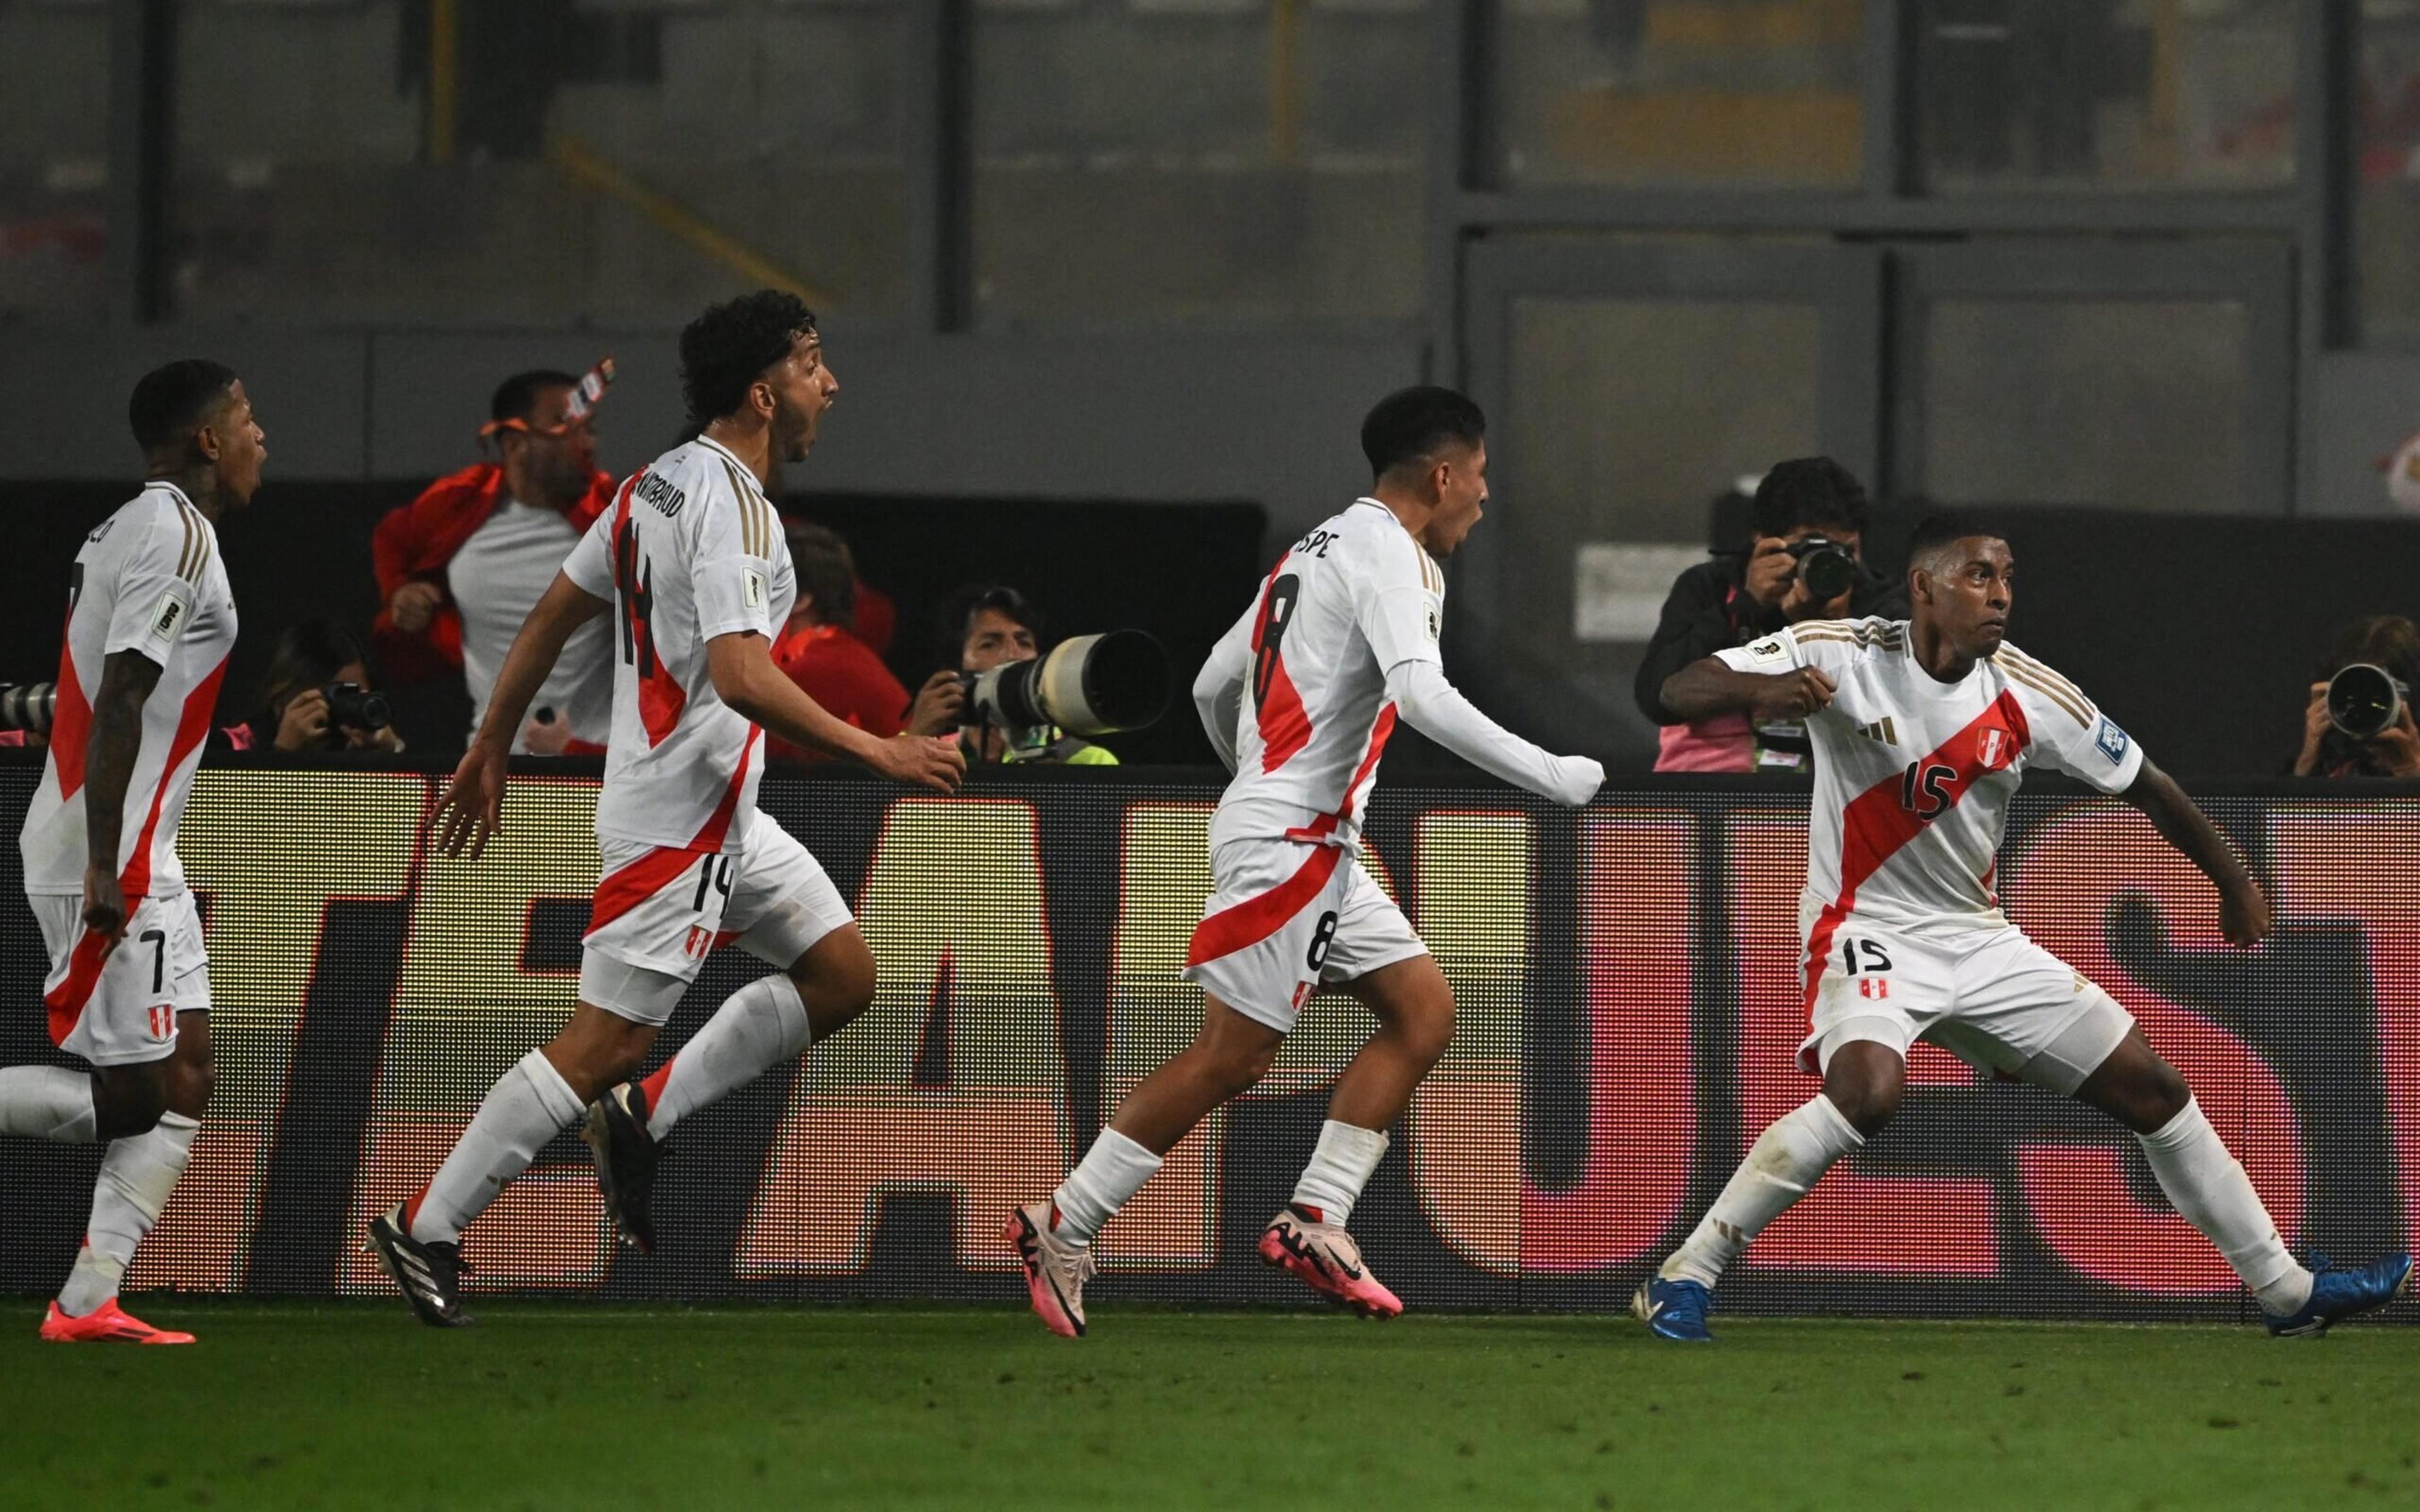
(1880, 729)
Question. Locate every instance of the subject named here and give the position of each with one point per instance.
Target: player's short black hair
(517, 396)
(1934, 532)
(959, 610)
(1809, 493)
(1415, 422)
(169, 402)
(723, 351)
(827, 572)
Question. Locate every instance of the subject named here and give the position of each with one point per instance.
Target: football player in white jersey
(1299, 698)
(150, 621)
(691, 560)
(1922, 730)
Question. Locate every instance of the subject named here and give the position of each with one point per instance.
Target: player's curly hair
(726, 348)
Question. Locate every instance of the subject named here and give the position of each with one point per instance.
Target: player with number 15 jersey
(1922, 730)
(1299, 698)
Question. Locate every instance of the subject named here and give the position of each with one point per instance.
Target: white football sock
(1791, 1154)
(1339, 1168)
(136, 1175)
(2207, 1186)
(47, 1102)
(756, 1029)
(1112, 1171)
(529, 1106)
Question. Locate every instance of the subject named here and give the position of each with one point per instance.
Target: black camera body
(28, 706)
(2365, 700)
(1825, 566)
(1089, 685)
(351, 706)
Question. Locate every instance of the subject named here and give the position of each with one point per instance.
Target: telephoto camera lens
(1089, 685)
(2364, 701)
(28, 706)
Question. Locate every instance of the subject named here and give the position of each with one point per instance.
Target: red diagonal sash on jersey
(1326, 824)
(66, 1001)
(1276, 707)
(622, 890)
(1876, 823)
(72, 723)
(1254, 920)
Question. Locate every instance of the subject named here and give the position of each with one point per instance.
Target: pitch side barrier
(1629, 979)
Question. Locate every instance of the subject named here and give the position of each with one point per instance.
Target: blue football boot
(1674, 1309)
(2337, 1294)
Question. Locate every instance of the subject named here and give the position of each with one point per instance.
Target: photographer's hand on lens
(2399, 746)
(473, 807)
(1794, 695)
(938, 706)
(925, 761)
(305, 723)
(2315, 724)
(414, 605)
(1772, 572)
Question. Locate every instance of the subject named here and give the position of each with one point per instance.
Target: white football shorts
(1990, 997)
(1285, 917)
(661, 912)
(122, 1011)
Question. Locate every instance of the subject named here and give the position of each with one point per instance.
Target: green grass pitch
(342, 1405)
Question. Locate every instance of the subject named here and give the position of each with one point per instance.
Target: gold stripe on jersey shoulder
(753, 533)
(185, 553)
(2047, 673)
(209, 548)
(2025, 679)
(1431, 573)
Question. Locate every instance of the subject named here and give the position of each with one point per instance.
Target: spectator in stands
(981, 628)
(820, 652)
(304, 663)
(1739, 596)
(2387, 641)
(459, 567)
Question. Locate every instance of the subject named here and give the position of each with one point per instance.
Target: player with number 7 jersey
(692, 563)
(1922, 730)
(150, 623)
(1299, 699)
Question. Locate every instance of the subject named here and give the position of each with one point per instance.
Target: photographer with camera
(2358, 722)
(820, 652)
(1804, 560)
(316, 697)
(986, 627)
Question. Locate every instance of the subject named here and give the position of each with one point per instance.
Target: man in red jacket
(460, 567)
(818, 652)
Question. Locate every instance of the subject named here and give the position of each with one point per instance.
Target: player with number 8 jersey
(692, 563)
(1299, 699)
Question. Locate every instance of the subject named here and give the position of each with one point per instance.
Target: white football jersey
(148, 580)
(692, 549)
(1912, 776)
(1354, 598)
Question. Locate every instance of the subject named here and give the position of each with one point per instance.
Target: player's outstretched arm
(1437, 710)
(741, 666)
(473, 805)
(1706, 687)
(1218, 687)
(127, 679)
(2242, 909)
